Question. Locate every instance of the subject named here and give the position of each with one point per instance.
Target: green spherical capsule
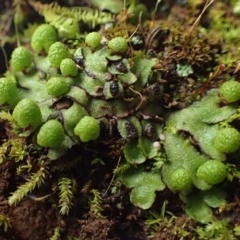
(68, 68)
(212, 172)
(118, 44)
(93, 39)
(57, 86)
(181, 180)
(87, 129)
(21, 59)
(227, 140)
(27, 113)
(57, 52)
(230, 91)
(43, 37)
(51, 134)
(8, 92)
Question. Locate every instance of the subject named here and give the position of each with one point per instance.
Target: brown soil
(36, 220)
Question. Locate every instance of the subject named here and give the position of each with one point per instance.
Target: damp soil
(36, 220)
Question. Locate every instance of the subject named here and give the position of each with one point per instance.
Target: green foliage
(181, 232)
(24, 167)
(144, 185)
(183, 70)
(150, 149)
(237, 231)
(200, 122)
(65, 186)
(34, 181)
(142, 67)
(53, 12)
(4, 222)
(133, 153)
(121, 168)
(233, 171)
(19, 150)
(202, 118)
(114, 6)
(14, 149)
(216, 230)
(156, 219)
(189, 159)
(198, 203)
(95, 204)
(56, 234)
(135, 10)
(6, 116)
(234, 117)
(129, 128)
(80, 96)
(105, 88)
(138, 151)
(67, 27)
(3, 151)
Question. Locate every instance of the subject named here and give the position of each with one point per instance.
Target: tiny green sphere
(57, 86)
(21, 59)
(87, 129)
(181, 180)
(8, 92)
(57, 52)
(51, 134)
(230, 91)
(27, 113)
(68, 68)
(118, 44)
(93, 39)
(227, 140)
(212, 172)
(43, 37)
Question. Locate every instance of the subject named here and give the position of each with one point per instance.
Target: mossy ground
(213, 56)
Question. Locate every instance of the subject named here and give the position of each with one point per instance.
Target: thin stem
(208, 3)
